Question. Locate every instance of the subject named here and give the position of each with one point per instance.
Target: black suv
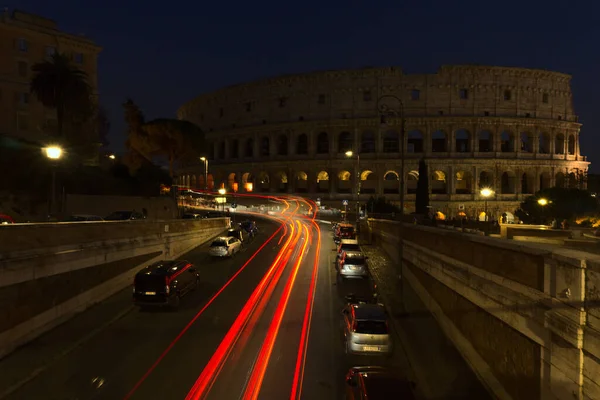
(164, 282)
(357, 289)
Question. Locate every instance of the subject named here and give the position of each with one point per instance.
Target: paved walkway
(438, 366)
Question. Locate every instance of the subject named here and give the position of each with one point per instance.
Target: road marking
(64, 353)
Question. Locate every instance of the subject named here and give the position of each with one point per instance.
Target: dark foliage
(381, 205)
(562, 204)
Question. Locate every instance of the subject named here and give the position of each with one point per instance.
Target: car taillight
(167, 289)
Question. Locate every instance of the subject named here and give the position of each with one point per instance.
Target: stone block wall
(525, 319)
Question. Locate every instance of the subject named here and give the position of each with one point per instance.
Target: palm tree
(59, 85)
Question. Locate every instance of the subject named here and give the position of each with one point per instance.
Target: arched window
(302, 144)
(322, 143)
(265, 150)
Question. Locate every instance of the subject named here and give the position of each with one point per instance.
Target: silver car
(352, 264)
(365, 329)
(225, 247)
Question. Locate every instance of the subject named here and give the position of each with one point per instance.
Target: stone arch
(193, 182)
(545, 180)
(391, 142)
(560, 180)
(508, 183)
(391, 182)
(559, 144)
(210, 182)
(412, 178)
(527, 183)
(526, 141)
(234, 148)
(463, 182)
(264, 182)
(345, 142)
(544, 143)
(367, 143)
(323, 143)
(247, 178)
(344, 182)
(201, 182)
(439, 184)
(573, 182)
(323, 181)
(302, 144)
(414, 142)
(281, 182)
(301, 182)
(232, 179)
(249, 148)
(439, 142)
(265, 147)
(507, 142)
(485, 142)
(571, 145)
(462, 141)
(282, 145)
(221, 150)
(486, 180)
(368, 181)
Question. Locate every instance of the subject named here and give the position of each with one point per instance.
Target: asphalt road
(120, 361)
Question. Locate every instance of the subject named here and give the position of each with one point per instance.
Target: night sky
(163, 53)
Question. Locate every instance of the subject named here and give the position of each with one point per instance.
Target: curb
(65, 352)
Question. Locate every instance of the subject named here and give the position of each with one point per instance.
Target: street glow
(53, 152)
(249, 186)
(542, 202)
(486, 192)
(202, 158)
(112, 156)
(349, 153)
(222, 191)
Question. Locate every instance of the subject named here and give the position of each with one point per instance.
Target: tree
(562, 204)
(422, 198)
(102, 124)
(58, 85)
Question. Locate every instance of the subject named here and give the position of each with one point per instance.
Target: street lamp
(543, 203)
(53, 153)
(385, 111)
(349, 154)
(112, 156)
(222, 192)
(205, 160)
(486, 193)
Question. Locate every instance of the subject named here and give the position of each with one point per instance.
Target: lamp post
(486, 193)
(205, 160)
(349, 154)
(222, 192)
(53, 153)
(385, 111)
(543, 203)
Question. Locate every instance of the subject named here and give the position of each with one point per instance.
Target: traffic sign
(345, 202)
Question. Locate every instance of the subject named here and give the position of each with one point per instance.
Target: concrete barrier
(57, 270)
(525, 319)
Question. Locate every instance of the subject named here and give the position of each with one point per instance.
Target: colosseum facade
(513, 130)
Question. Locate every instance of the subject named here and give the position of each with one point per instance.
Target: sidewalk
(27, 362)
(440, 370)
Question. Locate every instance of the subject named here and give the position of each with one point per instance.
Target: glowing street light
(542, 202)
(486, 193)
(349, 153)
(222, 192)
(205, 161)
(53, 152)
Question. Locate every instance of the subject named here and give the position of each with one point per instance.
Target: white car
(225, 247)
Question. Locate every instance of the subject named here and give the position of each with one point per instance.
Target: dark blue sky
(164, 53)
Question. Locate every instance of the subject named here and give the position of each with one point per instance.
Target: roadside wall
(49, 272)
(163, 207)
(525, 319)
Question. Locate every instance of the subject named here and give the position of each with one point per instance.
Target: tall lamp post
(205, 160)
(486, 193)
(222, 192)
(53, 153)
(385, 111)
(349, 154)
(543, 203)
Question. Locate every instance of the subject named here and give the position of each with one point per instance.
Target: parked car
(378, 383)
(238, 234)
(225, 247)
(344, 231)
(365, 329)
(352, 263)
(164, 283)
(356, 290)
(125, 216)
(347, 245)
(6, 219)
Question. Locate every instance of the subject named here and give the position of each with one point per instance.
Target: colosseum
(512, 130)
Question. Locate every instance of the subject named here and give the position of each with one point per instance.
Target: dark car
(164, 283)
(239, 234)
(361, 289)
(125, 216)
(375, 383)
(344, 231)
